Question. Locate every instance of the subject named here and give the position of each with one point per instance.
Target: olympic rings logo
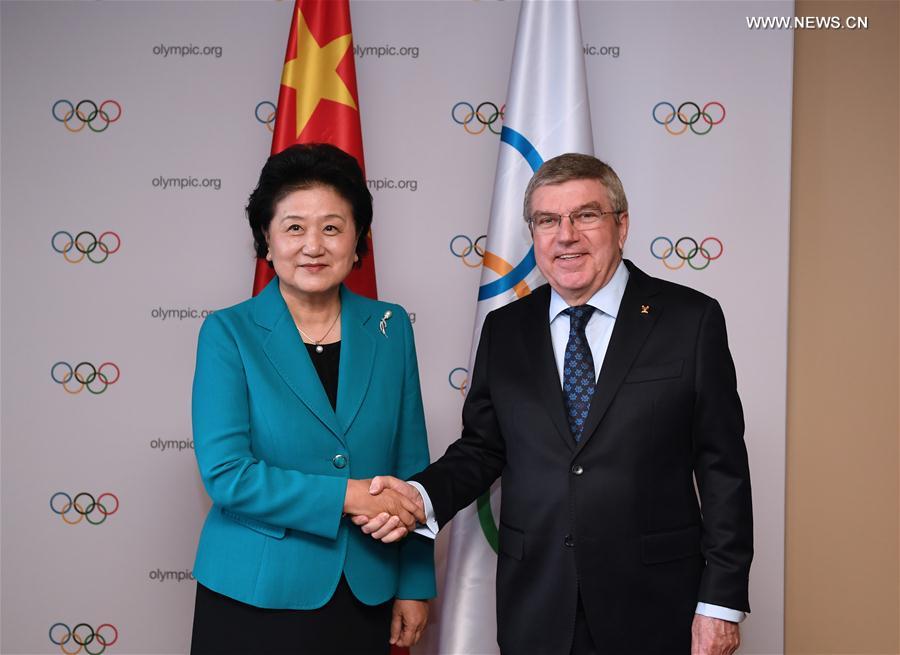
(87, 113)
(686, 249)
(462, 246)
(267, 117)
(459, 379)
(86, 244)
(476, 120)
(84, 637)
(689, 115)
(95, 379)
(85, 507)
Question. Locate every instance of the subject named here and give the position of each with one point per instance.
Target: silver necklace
(317, 342)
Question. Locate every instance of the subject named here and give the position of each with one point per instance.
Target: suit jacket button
(569, 541)
(577, 469)
(339, 461)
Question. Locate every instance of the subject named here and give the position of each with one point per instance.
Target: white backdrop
(169, 176)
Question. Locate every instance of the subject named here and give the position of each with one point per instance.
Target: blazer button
(577, 469)
(569, 541)
(339, 461)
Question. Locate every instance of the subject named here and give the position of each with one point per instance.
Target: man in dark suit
(605, 546)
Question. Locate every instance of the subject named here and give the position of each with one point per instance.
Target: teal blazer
(275, 458)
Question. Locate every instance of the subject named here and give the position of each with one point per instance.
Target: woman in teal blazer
(300, 395)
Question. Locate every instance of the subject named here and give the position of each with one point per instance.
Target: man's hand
(385, 527)
(711, 636)
(387, 506)
(408, 622)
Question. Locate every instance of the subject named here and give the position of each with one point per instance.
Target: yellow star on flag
(313, 73)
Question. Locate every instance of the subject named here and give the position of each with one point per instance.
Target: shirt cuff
(719, 612)
(430, 529)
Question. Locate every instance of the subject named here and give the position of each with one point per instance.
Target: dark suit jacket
(616, 515)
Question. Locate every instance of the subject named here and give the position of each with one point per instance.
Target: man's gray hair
(575, 166)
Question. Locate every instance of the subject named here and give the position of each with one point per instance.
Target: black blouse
(326, 363)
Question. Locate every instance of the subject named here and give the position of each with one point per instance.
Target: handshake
(384, 507)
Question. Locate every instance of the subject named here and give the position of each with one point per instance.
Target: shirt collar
(607, 299)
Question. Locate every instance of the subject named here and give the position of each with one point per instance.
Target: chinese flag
(318, 103)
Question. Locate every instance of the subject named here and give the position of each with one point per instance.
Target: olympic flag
(547, 114)
(318, 103)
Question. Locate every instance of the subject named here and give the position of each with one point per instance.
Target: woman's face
(312, 241)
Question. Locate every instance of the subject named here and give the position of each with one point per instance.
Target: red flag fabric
(318, 103)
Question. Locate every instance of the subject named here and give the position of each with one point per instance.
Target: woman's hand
(388, 528)
(358, 501)
(408, 622)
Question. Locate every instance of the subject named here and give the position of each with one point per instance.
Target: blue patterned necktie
(578, 370)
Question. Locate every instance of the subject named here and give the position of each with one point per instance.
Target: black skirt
(343, 625)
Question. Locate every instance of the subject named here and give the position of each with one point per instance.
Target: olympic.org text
(601, 50)
(162, 445)
(380, 51)
(189, 50)
(181, 313)
(187, 183)
(807, 23)
(387, 183)
(171, 576)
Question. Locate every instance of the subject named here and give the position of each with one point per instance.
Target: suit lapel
(287, 355)
(539, 351)
(634, 322)
(357, 357)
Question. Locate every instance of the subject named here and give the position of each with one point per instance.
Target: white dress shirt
(598, 331)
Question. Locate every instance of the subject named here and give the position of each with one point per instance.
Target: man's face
(577, 263)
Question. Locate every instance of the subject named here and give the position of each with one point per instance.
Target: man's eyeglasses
(581, 219)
